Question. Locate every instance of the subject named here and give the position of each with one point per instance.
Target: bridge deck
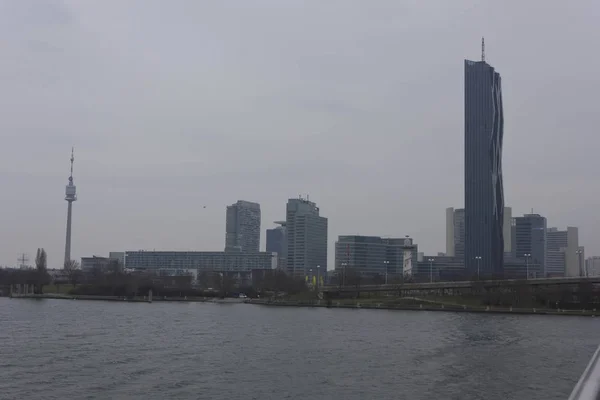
(462, 284)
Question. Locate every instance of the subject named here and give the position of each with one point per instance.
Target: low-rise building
(96, 262)
(202, 261)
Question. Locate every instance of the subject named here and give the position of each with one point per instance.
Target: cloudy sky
(177, 105)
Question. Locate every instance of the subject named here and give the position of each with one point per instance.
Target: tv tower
(70, 197)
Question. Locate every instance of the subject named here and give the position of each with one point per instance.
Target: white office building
(562, 257)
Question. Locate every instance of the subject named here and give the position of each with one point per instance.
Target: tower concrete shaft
(68, 239)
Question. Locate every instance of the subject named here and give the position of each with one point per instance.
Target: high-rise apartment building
(277, 243)
(561, 252)
(484, 196)
(306, 238)
(531, 242)
(242, 227)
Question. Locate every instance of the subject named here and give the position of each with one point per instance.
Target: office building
(306, 238)
(277, 242)
(99, 263)
(561, 252)
(363, 254)
(513, 238)
(592, 266)
(374, 255)
(118, 255)
(508, 232)
(484, 197)
(450, 232)
(440, 268)
(202, 261)
(242, 231)
(455, 232)
(530, 231)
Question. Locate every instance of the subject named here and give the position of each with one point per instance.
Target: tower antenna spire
(72, 159)
(482, 49)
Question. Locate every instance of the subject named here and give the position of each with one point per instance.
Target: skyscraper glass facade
(484, 195)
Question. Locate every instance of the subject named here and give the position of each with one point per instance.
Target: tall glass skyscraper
(484, 194)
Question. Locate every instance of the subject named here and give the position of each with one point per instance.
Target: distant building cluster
(483, 239)
(297, 246)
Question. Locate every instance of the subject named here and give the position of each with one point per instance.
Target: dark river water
(60, 349)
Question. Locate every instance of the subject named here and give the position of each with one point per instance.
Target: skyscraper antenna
(482, 49)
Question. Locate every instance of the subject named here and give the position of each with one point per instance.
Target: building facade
(306, 238)
(592, 266)
(508, 232)
(118, 255)
(277, 243)
(101, 263)
(484, 193)
(561, 252)
(531, 242)
(455, 232)
(242, 227)
(374, 255)
(440, 268)
(203, 261)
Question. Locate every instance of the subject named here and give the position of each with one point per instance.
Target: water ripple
(53, 349)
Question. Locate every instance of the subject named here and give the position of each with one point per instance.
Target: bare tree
(73, 271)
(41, 265)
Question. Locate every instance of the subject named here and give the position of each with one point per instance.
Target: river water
(61, 349)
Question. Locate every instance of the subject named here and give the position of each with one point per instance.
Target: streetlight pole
(527, 264)
(386, 264)
(478, 258)
(430, 270)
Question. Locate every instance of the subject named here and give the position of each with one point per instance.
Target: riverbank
(426, 307)
(139, 299)
(367, 304)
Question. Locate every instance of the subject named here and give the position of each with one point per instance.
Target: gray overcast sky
(174, 105)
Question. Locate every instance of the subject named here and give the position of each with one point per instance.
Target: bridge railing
(588, 387)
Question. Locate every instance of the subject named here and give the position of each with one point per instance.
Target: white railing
(588, 387)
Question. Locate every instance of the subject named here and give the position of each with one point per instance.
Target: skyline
(156, 127)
